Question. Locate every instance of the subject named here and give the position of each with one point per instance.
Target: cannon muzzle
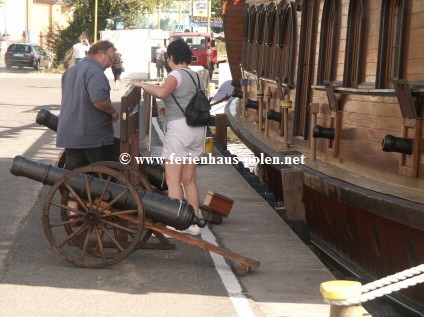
(237, 93)
(274, 115)
(235, 83)
(47, 119)
(252, 104)
(320, 132)
(400, 145)
(169, 211)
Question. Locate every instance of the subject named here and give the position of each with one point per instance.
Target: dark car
(29, 55)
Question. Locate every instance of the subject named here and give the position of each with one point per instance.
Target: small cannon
(274, 115)
(237, 93)
(113, 218)
(321, 132)
(47, 119)
(169, 211)
(391, 143)
(251, 104)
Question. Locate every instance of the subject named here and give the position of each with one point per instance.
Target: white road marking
(231, 284)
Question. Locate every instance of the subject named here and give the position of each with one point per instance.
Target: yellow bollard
(209, 145)
(340, 291)
(211, 89)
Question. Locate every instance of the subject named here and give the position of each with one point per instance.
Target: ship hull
(368, 233)
(351, 70)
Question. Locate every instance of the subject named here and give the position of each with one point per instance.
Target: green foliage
(216, 8)
(60, 41)
(109, 11)
(221, 47)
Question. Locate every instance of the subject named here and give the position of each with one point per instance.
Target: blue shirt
(81, 125)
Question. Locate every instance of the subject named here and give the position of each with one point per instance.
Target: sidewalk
(288, 279)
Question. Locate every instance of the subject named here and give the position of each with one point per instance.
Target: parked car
(29, 55)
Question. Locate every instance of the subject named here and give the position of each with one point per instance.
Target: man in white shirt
(80, 48)
(160, 62)
(3, 45)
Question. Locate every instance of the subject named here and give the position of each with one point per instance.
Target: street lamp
(96, 4)
(209, 16)
(159, 12)
(3, 4)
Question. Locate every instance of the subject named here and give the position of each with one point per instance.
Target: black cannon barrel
(156, 176)
(169, 211)
(252, 104)
(394, 144)
(155, 173)
(237, 93)
(321, 132)
(47, 119)
(235, 83)
(274, 115)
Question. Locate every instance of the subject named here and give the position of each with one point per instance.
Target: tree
(109, 11)
(216, 9)
(127, 11)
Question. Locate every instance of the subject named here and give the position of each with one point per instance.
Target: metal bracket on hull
(331, 96)
(408, 164)
(335, 116)
(267, 97)
(260, 97)
(313, 109)
(406, 103)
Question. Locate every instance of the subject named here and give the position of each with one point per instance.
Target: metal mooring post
(334, 291)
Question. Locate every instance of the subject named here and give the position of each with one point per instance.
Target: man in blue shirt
(85, 127)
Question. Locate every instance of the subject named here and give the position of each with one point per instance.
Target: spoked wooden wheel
(131, 173)
(91, 235)
(138, 180)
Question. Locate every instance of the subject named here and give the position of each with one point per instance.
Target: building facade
(24, 20)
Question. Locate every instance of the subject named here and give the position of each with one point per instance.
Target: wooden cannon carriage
(119, 210)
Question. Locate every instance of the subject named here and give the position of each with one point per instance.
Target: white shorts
(182, 140)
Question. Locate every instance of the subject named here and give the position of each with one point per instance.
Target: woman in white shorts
(182, 143)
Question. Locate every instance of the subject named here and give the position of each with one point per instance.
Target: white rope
(393, 278)
(385, 286)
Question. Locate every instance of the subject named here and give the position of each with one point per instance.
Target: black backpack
(197, 111)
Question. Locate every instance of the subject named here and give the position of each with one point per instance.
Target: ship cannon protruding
(251, 104)
(237, 93)
(400, 145)
(173, 212)
(321, 132)
(274, 115)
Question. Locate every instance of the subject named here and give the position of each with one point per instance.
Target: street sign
(179, 28)
(119, 25)
(203, 21)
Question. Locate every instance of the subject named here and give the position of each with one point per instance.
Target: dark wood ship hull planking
(362, 205)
